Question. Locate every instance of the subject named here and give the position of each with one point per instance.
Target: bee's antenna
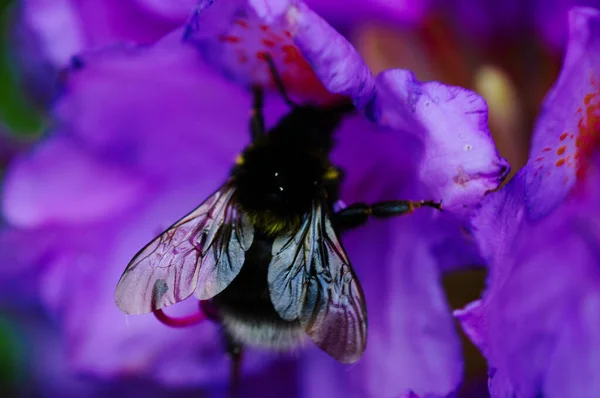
(278, 82)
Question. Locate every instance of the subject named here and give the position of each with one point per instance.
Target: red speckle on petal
(561, 150)
(560, 162)
(249, 43)
(291, 54)
(588, 126)
(539, 158)
(563, 136)
(546, 149)
(229, 39)
(275, 37)
(268, 43)
(240, 22)
(262, 55)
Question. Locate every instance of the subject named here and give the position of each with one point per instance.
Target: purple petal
(412, 339)
(567, 129)
(313, 60)
(270, 10)
(130, 128)
(472, 320)
(49, 33)
(499, 385)
(66, 27)
(536, 306)
(534, 321)
(59, 183)
(460, 162)
(336, 63)
(496, 226)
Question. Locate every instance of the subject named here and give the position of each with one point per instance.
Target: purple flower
(537, 320)
(49, 32)
(146, 133)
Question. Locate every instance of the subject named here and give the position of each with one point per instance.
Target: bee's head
(278, 183)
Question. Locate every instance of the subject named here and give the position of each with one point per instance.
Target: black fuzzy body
(278, 178)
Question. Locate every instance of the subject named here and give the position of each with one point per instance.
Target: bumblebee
(264, 248)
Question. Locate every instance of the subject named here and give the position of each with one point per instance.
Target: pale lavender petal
(460, 163)
(334, 60)
(58, 183)
(567, 129)
(57, 28)
(270, 11)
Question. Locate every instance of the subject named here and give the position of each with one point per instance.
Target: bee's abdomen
(245, 306)
(279, 335)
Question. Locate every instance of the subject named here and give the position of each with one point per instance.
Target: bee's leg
(357, 214)
(234, 351)
(278, 82)
(257, 121)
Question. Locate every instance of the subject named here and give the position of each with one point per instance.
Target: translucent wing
(311, 279)
(202, 253)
